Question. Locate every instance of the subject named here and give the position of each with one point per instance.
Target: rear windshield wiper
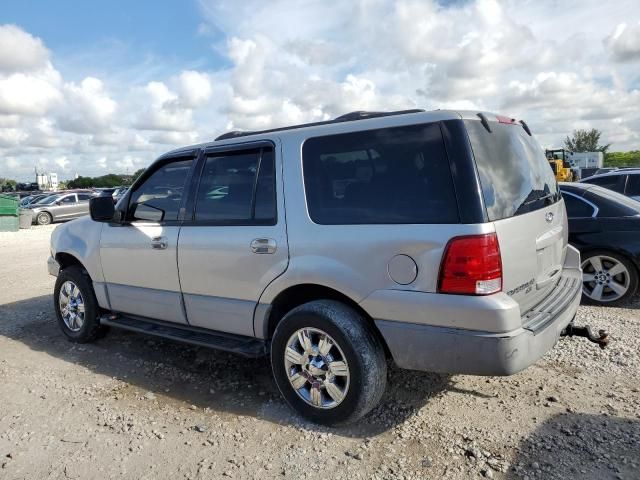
(533, 197)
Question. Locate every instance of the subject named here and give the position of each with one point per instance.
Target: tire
(44, 218)
(614, 273)
(327, 395)
(85, 327)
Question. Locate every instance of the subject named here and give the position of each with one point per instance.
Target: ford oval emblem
(549, 217)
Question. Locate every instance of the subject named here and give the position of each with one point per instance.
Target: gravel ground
(132, 406)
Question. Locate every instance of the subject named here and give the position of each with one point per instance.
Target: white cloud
(624, 43)
(558, 65)
(21, 52)
(88, 107)
(194, 88)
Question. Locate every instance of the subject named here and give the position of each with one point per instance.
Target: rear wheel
(608, 278)
(327, 363)
(76, 306)
(44, 218)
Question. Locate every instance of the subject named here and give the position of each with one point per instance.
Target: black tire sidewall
(352, 403)
(90, 328)
(629, 265)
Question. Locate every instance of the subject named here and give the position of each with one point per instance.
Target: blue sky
(98, 87)
(118, 32)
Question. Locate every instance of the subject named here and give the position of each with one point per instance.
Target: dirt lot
(136, 407)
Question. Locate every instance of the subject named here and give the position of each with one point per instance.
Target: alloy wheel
(71, 305)
(604, 278)
(317, 368)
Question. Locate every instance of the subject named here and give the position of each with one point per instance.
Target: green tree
(622, 159)
(586, 141)
(136, 174)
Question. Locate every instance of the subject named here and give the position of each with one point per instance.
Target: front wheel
(608, 278)
(76, 306)
(44, 218)
(328, 363)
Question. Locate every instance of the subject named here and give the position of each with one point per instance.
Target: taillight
(471, 266)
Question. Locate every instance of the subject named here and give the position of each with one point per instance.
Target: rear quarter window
(397, 175)
(515, 175)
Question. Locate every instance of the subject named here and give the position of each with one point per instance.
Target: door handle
(159, 243)
(263, 245)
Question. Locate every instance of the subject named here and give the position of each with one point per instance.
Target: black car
(621, 180)
(605, 227)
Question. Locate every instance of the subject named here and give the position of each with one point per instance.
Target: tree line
(105, 181)
(589, 141)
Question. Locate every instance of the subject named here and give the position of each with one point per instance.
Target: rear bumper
(439, 348)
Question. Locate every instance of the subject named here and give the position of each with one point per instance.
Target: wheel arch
(634, 258)
(66, 260)
(296, 295)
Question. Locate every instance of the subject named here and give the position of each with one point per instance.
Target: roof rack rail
(347, 117)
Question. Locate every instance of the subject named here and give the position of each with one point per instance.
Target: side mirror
(101, 209)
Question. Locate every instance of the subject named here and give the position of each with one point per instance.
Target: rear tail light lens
(471, 266)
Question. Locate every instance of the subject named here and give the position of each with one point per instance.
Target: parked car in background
(61, 206)
(395, 238)
(625, 181)
(31, 199)
(600, 171)
(605, 227)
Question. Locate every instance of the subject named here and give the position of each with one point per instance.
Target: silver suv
(437, 239)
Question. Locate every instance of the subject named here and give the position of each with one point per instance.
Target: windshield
(47, 200)
(515, 175)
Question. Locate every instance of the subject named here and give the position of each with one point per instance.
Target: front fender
(80, 238)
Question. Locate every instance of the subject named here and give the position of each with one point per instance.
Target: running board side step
(245, 346)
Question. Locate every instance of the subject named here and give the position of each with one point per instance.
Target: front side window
(385, 176)
(84, 196)
(68, 199)
(237, 188)
(159, 197)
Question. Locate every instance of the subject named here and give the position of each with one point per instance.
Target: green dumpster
(9, 221)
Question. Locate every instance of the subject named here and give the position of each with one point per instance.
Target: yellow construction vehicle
(560, 164)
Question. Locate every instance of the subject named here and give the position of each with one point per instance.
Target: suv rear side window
(515, 174)
(385, 176)
(230, 193)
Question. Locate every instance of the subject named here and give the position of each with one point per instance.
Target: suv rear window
(384, 176)
(515, 175)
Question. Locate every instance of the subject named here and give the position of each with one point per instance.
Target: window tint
(160, 196)
(577, 208)
(612, 182)
(633, 185)
(266, 188)
(612, 204)
(68, 199)
(384, 176)
(84, 196)
(515, 174)
(226, 190)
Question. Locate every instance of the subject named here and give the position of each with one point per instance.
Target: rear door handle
(263, 245)
(159, 243)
